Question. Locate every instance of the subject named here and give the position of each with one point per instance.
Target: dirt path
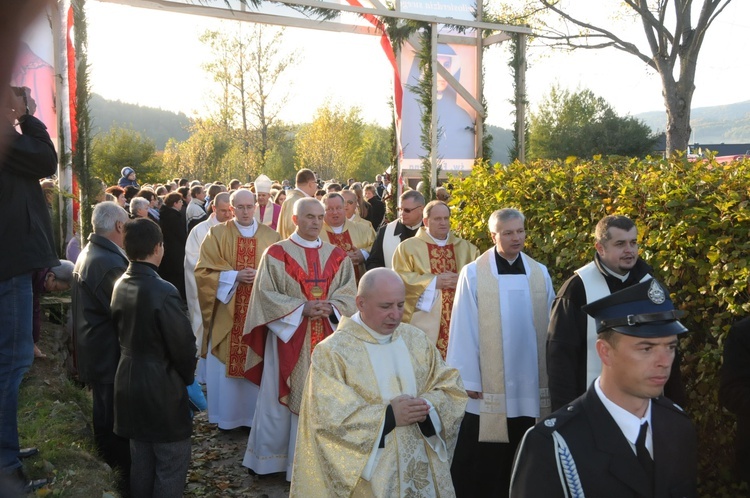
(216, 467)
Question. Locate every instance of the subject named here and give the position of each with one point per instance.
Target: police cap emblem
(656, 293)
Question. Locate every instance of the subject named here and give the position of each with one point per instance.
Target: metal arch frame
(244, 14)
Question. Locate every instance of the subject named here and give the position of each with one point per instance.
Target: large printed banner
(456, 118)
(35, 68)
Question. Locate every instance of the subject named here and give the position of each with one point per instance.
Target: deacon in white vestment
(497, 343)
(381, 410)
(221, 213)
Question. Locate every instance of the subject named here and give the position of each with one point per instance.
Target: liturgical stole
(493, 421)
(596, 288)
(237, 349)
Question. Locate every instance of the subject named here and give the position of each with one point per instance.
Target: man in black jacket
(157, 363)
(734, 390)
(97, 269)
(26, 234)
(572, 361)
(622, 438)
(397, 231)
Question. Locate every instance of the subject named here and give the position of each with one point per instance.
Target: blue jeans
(16, 355)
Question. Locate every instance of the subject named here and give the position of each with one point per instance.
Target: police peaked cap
(642, 310)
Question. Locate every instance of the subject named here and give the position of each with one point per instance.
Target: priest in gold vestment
(225, 272)
(303, 286)
(429, 264)
(354, 238)
(381, 410)
(305, 186)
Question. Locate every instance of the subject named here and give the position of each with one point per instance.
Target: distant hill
(502, 139)
(717, 124)
(156, 124)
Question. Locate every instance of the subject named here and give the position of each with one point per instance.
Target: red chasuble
(315, 283)
(344, 241)
(443, 259)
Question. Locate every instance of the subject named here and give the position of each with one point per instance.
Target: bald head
(380, 300)
(243, 206)
(242, 196)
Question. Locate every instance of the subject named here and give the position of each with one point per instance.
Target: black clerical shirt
(504, 267)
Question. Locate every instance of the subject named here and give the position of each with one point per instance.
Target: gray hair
(503, 215)
(106, 215)
(414, 195)
(137, 203)
(64, 271)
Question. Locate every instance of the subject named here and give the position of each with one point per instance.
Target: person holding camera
(26, 229)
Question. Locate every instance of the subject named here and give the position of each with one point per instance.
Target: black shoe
(17, 483)
(27, 452)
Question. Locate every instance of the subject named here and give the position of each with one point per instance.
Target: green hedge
(693, 229)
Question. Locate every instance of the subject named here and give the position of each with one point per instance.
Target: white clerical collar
(312, 244)
(246, 231)
(353, 218)
(622, 278)
(337, 230)
(441, 243)
(414, 227)
(303, 192)
(629, 424)
(510, 262)
(381, 338)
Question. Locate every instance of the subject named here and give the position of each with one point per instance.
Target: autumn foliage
(694, 229)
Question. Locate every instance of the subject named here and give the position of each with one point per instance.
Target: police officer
(622, 438)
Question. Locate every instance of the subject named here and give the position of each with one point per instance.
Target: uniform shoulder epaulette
(669, 404)
(558, 419)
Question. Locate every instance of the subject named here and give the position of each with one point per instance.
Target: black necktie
(642, 452)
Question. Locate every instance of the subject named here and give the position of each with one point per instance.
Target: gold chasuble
(286, 226)
(290, 275)
(225, 249)
(354, 237)
(417, 260)
(352, 379)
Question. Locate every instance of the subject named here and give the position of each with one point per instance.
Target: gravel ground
(216, 468)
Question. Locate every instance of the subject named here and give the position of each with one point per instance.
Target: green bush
(693, 227)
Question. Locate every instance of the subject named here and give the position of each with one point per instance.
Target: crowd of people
(370, 353)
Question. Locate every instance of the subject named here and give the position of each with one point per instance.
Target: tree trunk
(677, 101)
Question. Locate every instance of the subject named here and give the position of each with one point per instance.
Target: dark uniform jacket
(377, 258)
(734, 393)
(25, 225)
(604, 459)
(157, 358)
(97, 349)
(566, 340)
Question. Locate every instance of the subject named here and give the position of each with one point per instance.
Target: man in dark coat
(26, 232)
(157, 363)
(97, 350)
(174, 230)
(572, 362)
(397, 231)
(622, 438)
(734, 391)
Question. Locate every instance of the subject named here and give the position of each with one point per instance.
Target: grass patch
(54, 415)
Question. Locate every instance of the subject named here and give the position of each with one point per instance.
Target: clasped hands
(246, 276)
(409, 410)
(447, 280)
(317, 309)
